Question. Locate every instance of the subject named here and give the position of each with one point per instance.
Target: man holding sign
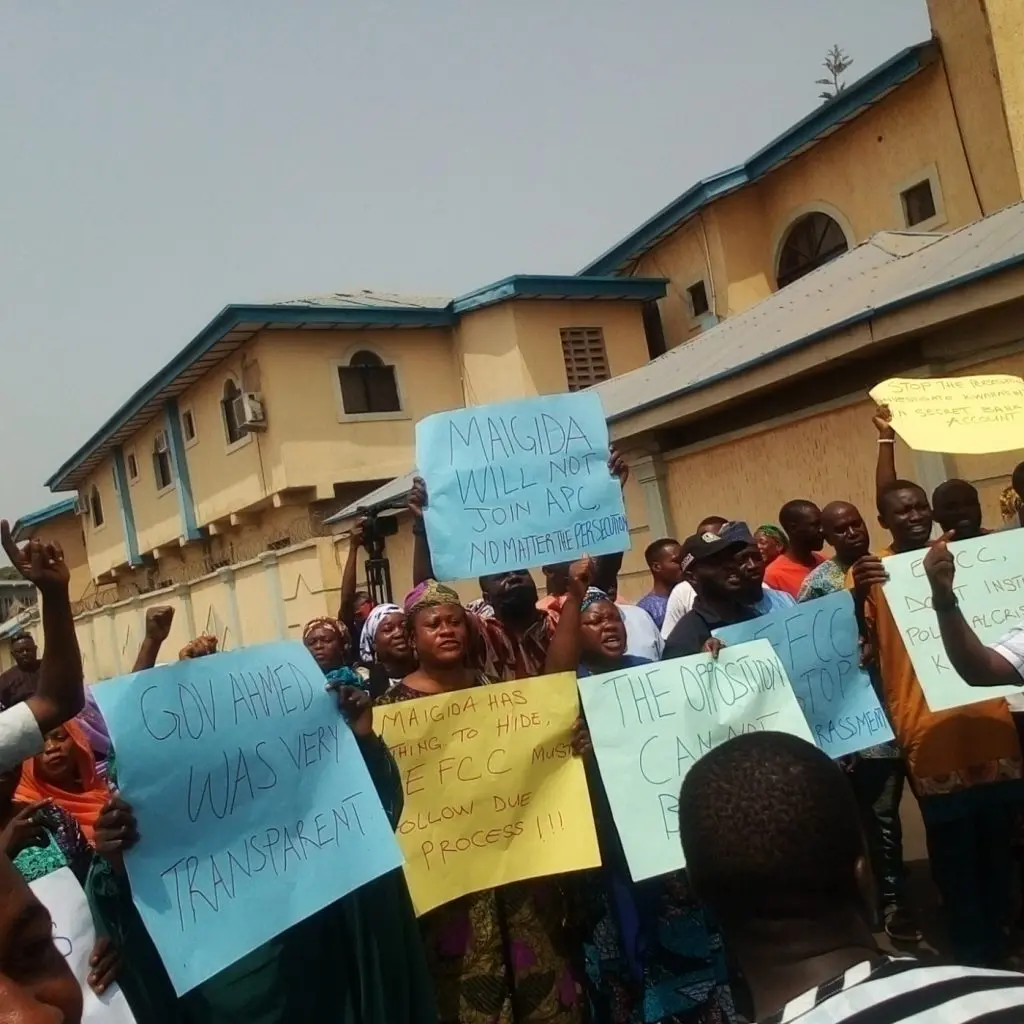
(964, 763)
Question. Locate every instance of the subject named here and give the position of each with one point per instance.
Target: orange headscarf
(85, 806)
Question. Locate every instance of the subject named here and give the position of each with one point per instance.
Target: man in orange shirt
(801, 519)
(964, 764)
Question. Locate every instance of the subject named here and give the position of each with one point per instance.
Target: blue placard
(254, 805)
(817, 643)
(519, 484)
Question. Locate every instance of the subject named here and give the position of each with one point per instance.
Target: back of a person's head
(1018, 479)
(790, 513)
(771, 831)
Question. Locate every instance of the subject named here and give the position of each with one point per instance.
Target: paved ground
(923, 894)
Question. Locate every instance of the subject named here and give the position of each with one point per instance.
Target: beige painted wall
(225, 478)
(1006, 24)
(157, 515)
(309, 441)
(68, 531)
(855, 174)
(105, 545)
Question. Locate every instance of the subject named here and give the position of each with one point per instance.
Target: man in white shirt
(60, 694)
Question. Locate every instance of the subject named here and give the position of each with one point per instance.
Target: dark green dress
(358, 961)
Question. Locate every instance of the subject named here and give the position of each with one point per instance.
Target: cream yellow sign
(492, 791)
(967, 415)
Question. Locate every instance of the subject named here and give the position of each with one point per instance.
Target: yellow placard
(966, 415)
(492, 791)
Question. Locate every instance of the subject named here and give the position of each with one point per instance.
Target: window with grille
(96, 508)
(697, 294)
(586, 359)
(811, 242)
(162, 471)
(918, 203)
(229, 407)
(368, 385)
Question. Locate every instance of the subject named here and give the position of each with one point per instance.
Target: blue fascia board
(229, 318)
(850, 102)
(534, 286)
(860, 317)
(43, 515)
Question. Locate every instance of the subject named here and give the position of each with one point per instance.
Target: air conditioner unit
(81, 506)
(160, 443)
(248, 411)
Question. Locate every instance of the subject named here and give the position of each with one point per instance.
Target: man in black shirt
(727, 572)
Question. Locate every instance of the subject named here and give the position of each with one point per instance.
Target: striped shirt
(900, 990)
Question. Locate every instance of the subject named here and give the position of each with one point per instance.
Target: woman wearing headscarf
(65, 774)
(771, 542)
(503, 955)
(384, 649)
(650, 954)
(328, 641)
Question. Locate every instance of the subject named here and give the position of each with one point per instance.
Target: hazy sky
(161, 160)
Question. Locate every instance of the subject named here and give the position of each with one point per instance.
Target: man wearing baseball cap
(727, 571)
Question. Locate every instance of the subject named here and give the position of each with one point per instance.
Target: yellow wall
(492, 368)
(105, 545)
(309, 442)
(1006, 24)
(224, 478)
(514, 350)
(67, 531)
(825, 457)
(157, 517)
(854, 175)
(981, 44)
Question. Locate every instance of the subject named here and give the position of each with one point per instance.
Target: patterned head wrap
(428, 594)
(769, 530)
(204, 644)
(1009, 503)
(368, 637)
(593, 595)
(331, 625)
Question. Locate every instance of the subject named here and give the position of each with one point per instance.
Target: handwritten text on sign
(989, 584)
(519, 484)
(253, 801)
(75, 938)
(817, 643)
(651, 724)
(956, 414)
(492, 791)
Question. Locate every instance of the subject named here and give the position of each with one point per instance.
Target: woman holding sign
(502, 954)
(649, 951)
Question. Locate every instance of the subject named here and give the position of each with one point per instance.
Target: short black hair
(1018, 479)
(710, 521)
(770, 829)
(955, 484)
(789, 511)
(892, 487)
(22, 635)
(654, 549)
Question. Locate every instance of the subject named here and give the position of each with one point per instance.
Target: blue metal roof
(235, 325)
(43, 515)
(822, 121)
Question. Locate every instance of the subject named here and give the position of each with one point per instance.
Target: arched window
(368, 385)
(96, 507)
(810, 243)
(229, 406)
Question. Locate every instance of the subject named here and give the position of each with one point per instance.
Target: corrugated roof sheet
(367, 298)
(892, 268)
